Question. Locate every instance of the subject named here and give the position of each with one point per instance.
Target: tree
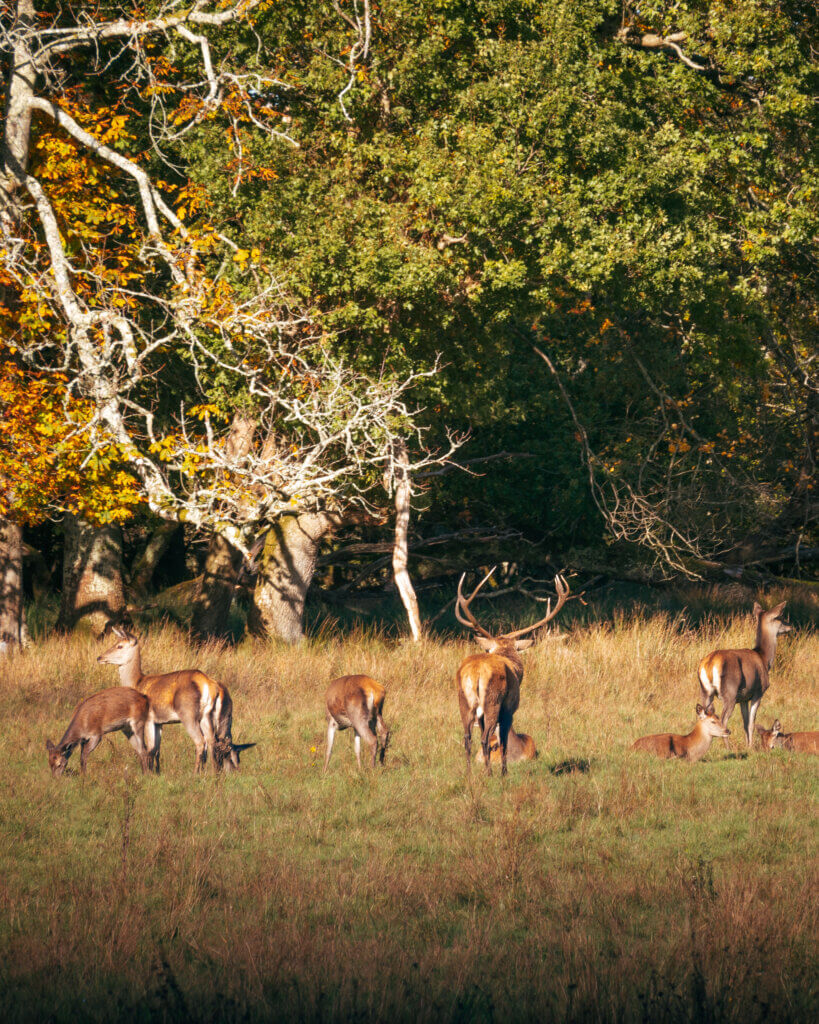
(629, 190)
(153, 315)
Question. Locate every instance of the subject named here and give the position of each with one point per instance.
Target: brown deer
(357, 702)
(741, 676)
(489, 684)
(691, 747)
(202, 705)
(519, 747)
(770, 738)
(803, 742)
(119, 708)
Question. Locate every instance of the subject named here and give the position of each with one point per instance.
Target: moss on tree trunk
(287, 565)
(93, 594)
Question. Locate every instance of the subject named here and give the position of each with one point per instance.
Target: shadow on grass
(571, 766)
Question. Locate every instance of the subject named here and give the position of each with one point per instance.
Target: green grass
(627, 890)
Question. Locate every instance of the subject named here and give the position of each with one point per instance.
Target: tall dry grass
(592, 884)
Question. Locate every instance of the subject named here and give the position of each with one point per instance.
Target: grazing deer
(119, 708)
(202, 705)
(803, 742)
(742, 675)
(519, 747)
(691, 747)
(489, 684)
(357, 702)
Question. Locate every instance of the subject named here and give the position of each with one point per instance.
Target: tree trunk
(22, 75)
(145, 564)
(400, 552)
(223, 561)
(93, 594)
(12, 625)
(214, 597)
(287, 565)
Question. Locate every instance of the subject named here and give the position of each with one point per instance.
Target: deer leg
(332, 727)
(363, 732)
(373, 745)
(468, 719)
(86, 748)
(752, 720)
(383, 734)
(490, 722)
(504, 725)
(210, 738)
(728, 705)
(748, 715)
(137, 741)
(195, 732)
(154, 743)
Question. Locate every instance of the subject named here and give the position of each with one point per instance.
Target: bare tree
(324, 435)
(400, 553)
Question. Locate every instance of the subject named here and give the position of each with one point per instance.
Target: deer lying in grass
(202, 705)
(357, 702)
(803, 742)
(519, 747)
(691, 747)
(770, 738)
(119, 708)
(489, 684)
(741, 676)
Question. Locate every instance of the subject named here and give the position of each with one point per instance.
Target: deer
(741, 676)
(201, 704)
(691, 747)
(119, 708)
(803, 742)
(489, 684)
(770, 738)
(357, 702)
(519, 747)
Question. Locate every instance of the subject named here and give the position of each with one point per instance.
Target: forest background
(265, 264)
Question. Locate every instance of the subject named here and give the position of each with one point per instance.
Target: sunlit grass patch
(590, 884)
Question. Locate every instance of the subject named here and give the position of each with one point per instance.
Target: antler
(463, 603)
(562, 588)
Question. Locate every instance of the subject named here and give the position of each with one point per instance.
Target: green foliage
(501, 174)
(515, 172)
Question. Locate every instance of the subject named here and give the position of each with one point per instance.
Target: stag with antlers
(489, 684)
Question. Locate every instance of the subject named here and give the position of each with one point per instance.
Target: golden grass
(626, 889)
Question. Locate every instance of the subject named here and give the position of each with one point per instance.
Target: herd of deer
(488, 687)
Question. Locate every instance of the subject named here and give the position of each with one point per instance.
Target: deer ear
(757, 608)
(777, 610)
(485, 642)
(49, 745)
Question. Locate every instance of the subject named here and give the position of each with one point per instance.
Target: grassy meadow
(593, 884)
